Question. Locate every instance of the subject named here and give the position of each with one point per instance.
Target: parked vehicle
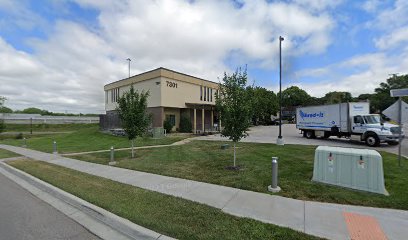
(346, 120)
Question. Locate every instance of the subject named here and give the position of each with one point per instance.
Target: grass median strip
(86, 138)
(205, 161)
(7, 154)
(168, 215)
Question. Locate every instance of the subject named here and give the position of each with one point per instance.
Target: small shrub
(168, 125)
(2, 125)
(185, 125)
(19, 136)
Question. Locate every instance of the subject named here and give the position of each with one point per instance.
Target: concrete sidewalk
(181, 142)
(332, 221)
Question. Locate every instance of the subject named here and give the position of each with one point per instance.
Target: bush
(185, 125)
(2, 125)
(168, 125)
(19, 136)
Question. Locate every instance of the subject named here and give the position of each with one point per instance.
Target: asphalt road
(24, 216)
(291, 135)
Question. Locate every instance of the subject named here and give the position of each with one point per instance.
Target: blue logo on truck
(311, 115)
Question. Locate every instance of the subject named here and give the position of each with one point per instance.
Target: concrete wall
(38, 119)
(151, 85)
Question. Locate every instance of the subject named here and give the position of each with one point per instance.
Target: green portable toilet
(360, 169)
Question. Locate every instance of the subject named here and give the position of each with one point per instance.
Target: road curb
(100, 222)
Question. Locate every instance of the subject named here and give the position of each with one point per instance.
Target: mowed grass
(7, 154)
(46, 127)
(85, 139)
(205, 161)
(165, 214)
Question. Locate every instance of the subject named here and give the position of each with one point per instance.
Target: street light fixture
(129, 65)
(280, 141)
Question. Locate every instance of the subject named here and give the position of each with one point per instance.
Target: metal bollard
(55, 147)
(274, 186)
(112, 157)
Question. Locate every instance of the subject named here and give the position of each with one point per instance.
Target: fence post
(274, 185)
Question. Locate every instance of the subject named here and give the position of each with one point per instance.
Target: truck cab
(373, 131)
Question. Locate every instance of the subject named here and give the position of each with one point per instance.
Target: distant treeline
(4, 109)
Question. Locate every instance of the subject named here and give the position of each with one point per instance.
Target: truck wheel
(326, 135)
(392, 143)
(372, 140)
(310, 134)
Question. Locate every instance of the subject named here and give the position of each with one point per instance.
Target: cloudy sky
(58, 54)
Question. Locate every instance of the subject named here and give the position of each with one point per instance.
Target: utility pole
(280, 141)
(129, 65)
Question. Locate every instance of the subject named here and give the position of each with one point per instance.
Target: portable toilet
(360, 169)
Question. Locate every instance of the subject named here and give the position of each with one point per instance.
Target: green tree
(32, 110)
(264, 103)
(382, 99)
(5, 109)
(234, 106)
(337, 97)
(2, 125)
(294, 96)
(132, 110)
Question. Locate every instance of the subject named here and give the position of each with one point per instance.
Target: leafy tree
(32, 110)
(337, 97)
(2, 125)
(382, 99)
(264, 103)
(234, 107)
(132, 109)
(294, 96)
(5, 109)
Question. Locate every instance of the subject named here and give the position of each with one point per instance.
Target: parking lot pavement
(291, 135)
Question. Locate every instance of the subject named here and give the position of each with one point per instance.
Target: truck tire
(326, 134)
(372, 140)
(309, 134)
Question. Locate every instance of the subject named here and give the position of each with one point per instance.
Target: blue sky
(57, 55)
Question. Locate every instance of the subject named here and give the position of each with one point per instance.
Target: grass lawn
(205, 161)
(7, 154)
(87, 138)
(46, 127)
(168, 215)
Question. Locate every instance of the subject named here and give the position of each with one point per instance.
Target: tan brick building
(172, 95)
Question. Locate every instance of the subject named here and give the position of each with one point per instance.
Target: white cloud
(67, 70)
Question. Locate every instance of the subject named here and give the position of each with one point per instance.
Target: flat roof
(160, 72)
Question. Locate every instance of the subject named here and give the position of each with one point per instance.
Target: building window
(211, 94)
(115, 95)
(201, 93)
(172, 119)
(208, 94)
(205, 93)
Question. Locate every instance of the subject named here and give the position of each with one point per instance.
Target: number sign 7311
(171, 84)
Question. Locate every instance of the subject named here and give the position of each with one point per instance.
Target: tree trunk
(234, 155)
(133, 151)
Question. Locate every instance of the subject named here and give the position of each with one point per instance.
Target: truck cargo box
(360, 169)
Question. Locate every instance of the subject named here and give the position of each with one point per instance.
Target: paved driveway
(268, 134)
(24, 216)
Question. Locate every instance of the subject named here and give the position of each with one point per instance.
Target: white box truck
(345, 120)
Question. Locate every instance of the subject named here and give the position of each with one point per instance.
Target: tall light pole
(129, 65)
(280, 141)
